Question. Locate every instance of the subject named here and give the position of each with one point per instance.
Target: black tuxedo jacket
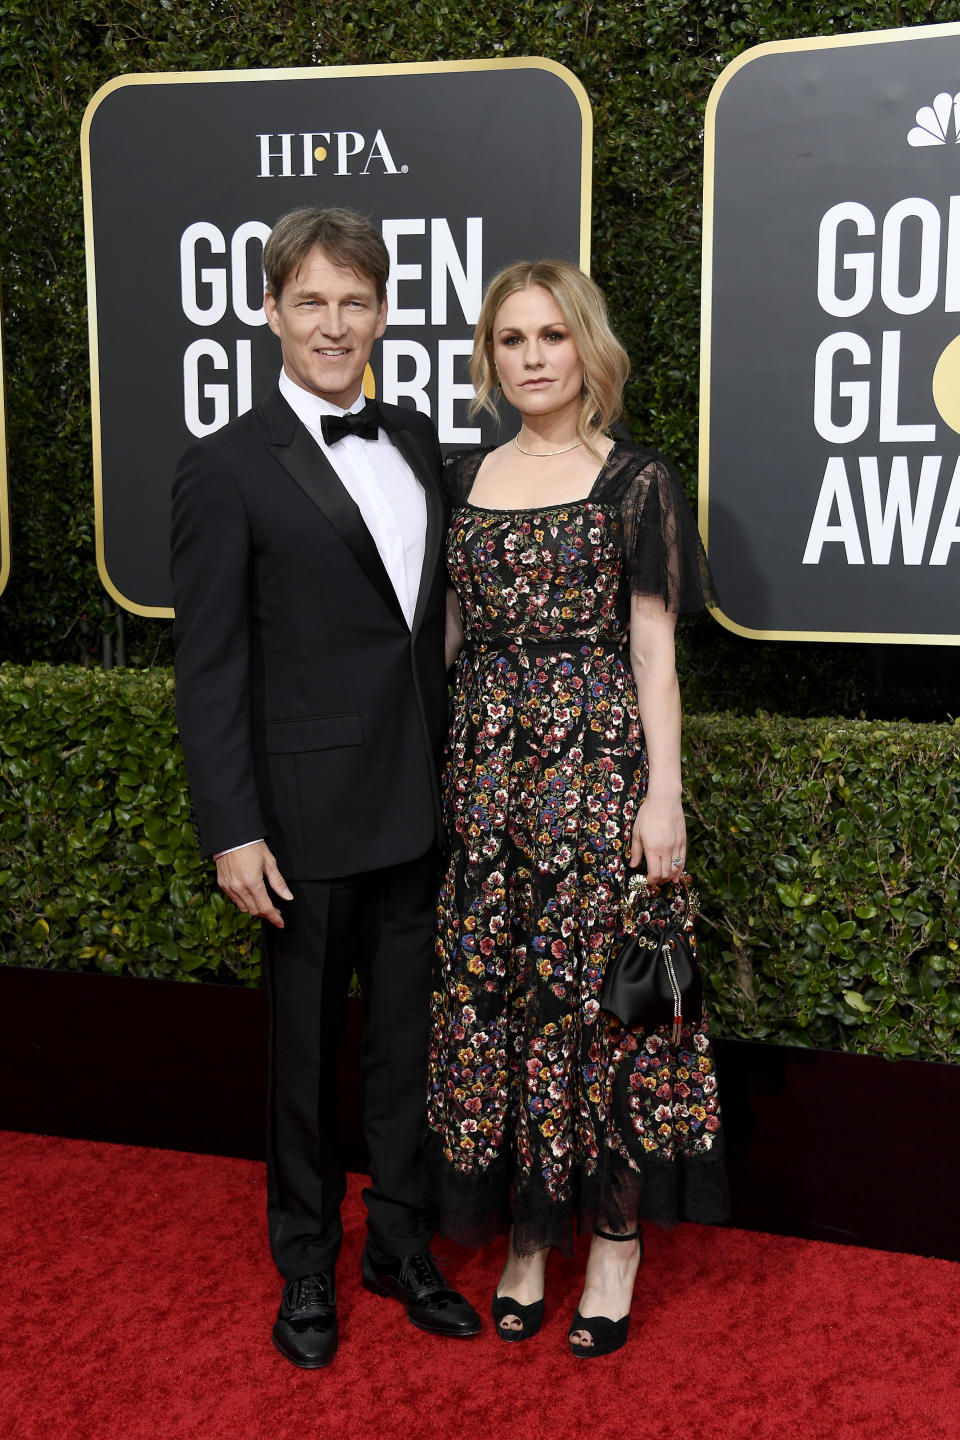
(309, 712)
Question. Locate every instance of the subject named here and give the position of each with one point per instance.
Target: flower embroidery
(545, 767)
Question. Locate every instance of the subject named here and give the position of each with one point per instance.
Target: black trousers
(380, 924)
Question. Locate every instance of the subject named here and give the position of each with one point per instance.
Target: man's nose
(333, 322)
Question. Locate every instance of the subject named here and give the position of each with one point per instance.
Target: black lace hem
(475, 1209)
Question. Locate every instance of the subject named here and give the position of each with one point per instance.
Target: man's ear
(381, 318)
(270, 310)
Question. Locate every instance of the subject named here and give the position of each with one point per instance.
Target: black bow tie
(365, 423)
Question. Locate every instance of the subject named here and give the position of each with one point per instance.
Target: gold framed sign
(465, 165)
(830, 394)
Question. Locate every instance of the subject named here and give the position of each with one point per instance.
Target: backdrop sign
(830, 424)
(465, 166)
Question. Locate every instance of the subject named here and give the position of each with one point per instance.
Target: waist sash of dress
(571, 645)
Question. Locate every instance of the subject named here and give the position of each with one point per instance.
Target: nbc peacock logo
(939, 123)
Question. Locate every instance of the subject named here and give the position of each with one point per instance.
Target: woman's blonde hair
(606, 364)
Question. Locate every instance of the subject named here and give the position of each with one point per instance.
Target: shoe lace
(308, 1291)
(425, 1272)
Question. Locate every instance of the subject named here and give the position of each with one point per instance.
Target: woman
(570, 555)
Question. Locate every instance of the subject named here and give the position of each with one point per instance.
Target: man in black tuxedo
(311, 697)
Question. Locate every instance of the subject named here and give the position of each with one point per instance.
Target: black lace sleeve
(459, 472)
(665, 555)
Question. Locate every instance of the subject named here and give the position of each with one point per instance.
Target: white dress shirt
(378, 479)
(385, 490)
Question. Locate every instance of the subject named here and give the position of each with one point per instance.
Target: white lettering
(449, 390)
(952, 295)
(284, 155)
(859, 262)
(948, 533)
(310, 149)
(380, 151)
(244, 377)
(219, 394)
(891, 431)
(415, 387)
(309, 138)
(856, 391)
(445, 262)
(345, 149)
(928, 280)
(923, 274)
(240, 274)
(216, 394)
(884, 520)
(215, 310)
(834, 490)
(392, 230)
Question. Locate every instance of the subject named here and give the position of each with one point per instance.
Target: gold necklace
(544, 454)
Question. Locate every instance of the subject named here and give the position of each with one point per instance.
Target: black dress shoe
(306, 1326)
(416, 1281)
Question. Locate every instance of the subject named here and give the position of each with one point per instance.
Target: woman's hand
(659, 837)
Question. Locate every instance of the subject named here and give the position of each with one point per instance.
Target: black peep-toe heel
(607, 1335)
(530, 1317)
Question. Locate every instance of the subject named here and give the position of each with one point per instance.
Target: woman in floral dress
(570, 555)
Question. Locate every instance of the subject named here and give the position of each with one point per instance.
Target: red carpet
(137, 1298)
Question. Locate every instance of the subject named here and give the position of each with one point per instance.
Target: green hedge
(98, 861)
(825, 854)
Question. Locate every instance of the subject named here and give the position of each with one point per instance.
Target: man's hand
(241, 874)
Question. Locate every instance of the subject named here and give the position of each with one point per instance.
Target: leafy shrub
(98, 862)
(825, 853)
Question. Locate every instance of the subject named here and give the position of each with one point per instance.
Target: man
(311, 697)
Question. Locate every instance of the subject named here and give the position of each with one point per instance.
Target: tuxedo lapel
(405, 442)
(299, 454)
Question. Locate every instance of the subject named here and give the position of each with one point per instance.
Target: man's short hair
(346, 237)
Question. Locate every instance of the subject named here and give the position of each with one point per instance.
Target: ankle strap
(605, 1235)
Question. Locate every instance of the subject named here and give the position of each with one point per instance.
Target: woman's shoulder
(632, 463)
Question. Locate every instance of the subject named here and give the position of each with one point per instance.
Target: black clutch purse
(655, 979)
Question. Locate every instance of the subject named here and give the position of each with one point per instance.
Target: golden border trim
(861, 637)
(220, 77)
(757, 52)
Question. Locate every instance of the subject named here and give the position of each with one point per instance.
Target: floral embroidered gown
(547, 1110)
